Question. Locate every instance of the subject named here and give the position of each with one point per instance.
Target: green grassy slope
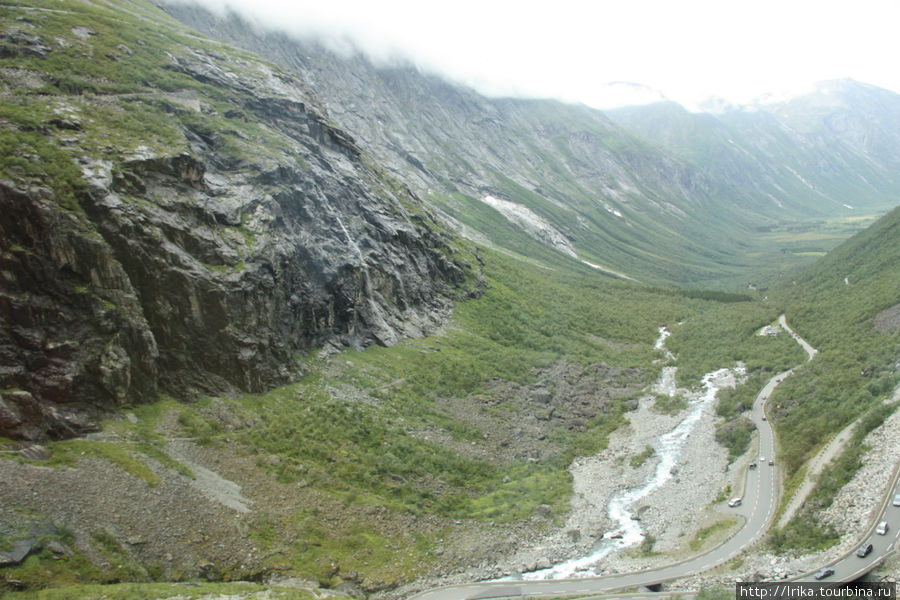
(833, 305)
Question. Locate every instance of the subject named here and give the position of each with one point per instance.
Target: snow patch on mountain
(533, 224)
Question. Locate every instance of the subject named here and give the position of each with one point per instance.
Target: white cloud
(571, 49)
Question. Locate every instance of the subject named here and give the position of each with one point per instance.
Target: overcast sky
(570, 49)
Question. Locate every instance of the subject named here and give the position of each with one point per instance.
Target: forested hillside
(847, 305)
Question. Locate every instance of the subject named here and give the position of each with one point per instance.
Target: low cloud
(570, 49)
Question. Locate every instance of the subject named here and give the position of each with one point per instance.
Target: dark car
(823, 573)
(864, 550)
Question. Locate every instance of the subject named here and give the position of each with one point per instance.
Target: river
(667, 451)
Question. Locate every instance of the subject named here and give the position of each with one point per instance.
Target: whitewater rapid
(667, 450)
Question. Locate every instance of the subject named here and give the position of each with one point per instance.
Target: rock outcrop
(206, 264)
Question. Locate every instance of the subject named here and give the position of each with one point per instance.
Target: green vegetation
(640, 458)
(855, 365)
(735, 435)
(356, 548)
(66, 452)
(319, 435)
(734, 402)
(717, 593)
(805, 531)
(833, 305)
(129, 441)
(378, 427)
(725, 334)
(724, 494)
(706, 534)
(46, 568)
(669, 405)
(185, 591)
(647, 545)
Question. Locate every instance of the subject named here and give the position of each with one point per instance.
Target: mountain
(179, 217)
(240, 340)
(828, 152)
(213, 199)
(655, 192)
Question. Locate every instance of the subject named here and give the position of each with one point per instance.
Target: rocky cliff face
(661, 194)
(601, 188)
(191, 231)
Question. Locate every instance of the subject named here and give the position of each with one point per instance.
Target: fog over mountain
(575, 51)
(699, 185)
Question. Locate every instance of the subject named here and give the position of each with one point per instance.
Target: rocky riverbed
(699, 474)
(701, 477)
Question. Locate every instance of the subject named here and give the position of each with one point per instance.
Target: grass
(149, 591)
(45, 569)
(640, 458)
(710, 533)
(356, 548)
(67, 452)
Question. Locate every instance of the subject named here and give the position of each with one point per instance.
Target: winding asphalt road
(762, 489)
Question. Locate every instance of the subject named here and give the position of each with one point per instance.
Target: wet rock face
(276, 262)
(72, 326)
(208, 270)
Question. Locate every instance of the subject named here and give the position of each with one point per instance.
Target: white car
(882, 528)
(734, 502)
(897, 500)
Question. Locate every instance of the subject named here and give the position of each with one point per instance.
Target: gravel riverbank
(698, 472)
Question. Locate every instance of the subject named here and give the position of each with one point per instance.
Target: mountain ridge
(614, 189)
(180, 218)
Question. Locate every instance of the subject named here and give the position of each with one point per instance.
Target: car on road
(823, 573)
(864, 550)
(764, 418)
(771, 462)
(752, 465)
(882, 528)
(896, 500)
(734, 502)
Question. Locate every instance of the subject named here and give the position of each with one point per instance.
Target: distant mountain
(656, 192)
(816, 154)
(856, 116)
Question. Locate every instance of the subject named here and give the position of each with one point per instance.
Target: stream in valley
(668, 448)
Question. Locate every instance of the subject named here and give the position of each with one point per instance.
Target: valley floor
(220, 512)
(679, 514)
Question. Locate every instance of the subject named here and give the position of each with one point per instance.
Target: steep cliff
(663, 195)
(180, 217)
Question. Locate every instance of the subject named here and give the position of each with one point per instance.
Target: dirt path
(831, 450)
(816, 466)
